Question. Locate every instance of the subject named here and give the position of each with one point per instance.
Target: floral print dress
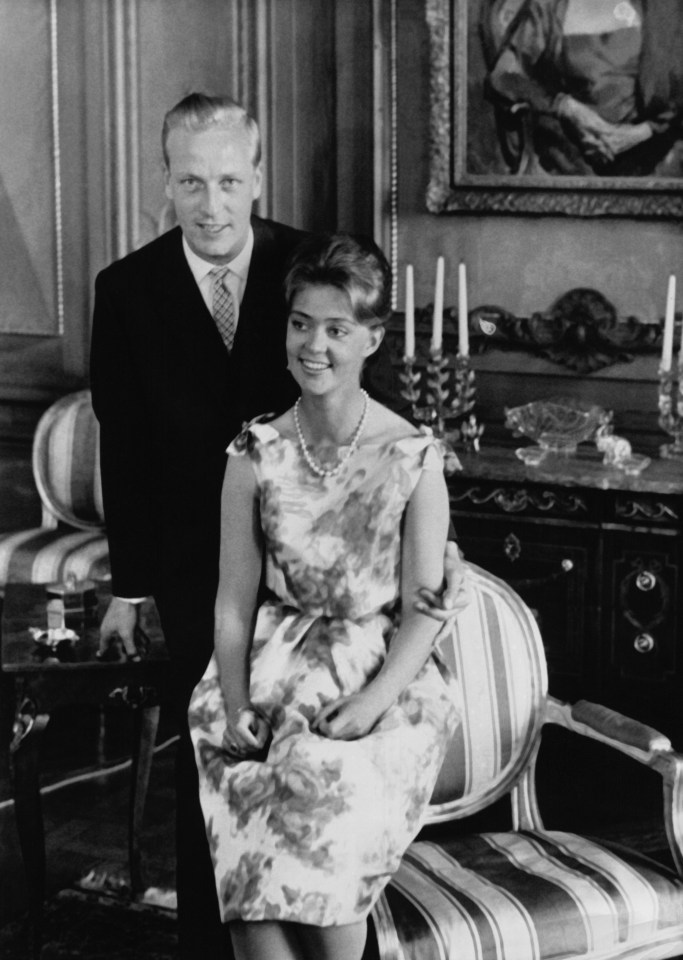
(315, 831)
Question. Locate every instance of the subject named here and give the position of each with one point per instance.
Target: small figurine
(617, 450)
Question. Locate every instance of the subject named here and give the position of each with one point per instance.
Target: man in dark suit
(170, 390)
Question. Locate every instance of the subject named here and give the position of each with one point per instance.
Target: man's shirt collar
(239, 265)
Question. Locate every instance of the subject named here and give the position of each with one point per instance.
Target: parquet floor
(86, 822)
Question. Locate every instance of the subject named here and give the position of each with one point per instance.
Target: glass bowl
(557, 425)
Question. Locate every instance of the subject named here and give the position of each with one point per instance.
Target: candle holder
(671, 412)
(450, 394)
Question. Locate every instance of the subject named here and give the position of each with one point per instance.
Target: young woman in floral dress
(321, 723)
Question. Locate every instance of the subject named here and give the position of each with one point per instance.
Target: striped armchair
(528, 893)
(71, 539)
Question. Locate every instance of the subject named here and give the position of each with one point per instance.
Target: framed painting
(568, 107)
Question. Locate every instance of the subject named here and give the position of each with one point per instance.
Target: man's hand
(455, 597)
(119, 620)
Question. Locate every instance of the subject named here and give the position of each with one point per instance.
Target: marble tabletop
(583, 469)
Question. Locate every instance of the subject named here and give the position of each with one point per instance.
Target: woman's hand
(347, 718)
(246, 732)
(592, 131)
(448, 603)
(625, 136)
(599, 137)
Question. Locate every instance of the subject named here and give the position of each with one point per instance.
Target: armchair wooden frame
(527, 893)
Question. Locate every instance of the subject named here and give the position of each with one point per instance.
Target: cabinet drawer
(641, 616)
(553, 568)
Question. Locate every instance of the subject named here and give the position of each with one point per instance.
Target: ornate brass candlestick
(448, 396)
(671, 412)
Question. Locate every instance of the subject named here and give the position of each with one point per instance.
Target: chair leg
(146, 723)
(25, 752)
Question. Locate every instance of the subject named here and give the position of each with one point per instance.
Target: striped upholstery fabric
(67, 474)
(496, 652)
(48, 556)
(528, 896)
(66, 468)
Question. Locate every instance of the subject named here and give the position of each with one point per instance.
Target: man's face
(213, 183)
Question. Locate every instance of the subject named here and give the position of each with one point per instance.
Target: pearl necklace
(314, 464)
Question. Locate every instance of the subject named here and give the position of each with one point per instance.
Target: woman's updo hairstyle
(353, 264)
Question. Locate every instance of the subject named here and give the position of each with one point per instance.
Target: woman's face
(326, 345)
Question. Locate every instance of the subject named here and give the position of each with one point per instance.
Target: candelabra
(449, 394)
(671, 411)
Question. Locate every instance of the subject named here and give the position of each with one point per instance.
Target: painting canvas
(557, 106)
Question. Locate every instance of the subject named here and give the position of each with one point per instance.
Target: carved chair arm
(629, 736)
(635, 740)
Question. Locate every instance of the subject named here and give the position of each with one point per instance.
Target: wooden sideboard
(598, 556)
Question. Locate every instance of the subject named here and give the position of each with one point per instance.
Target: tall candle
(410, 313)
(463, 329)
(437, 322)
(668, 337)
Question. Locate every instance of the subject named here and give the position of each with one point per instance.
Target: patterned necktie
(223, 306)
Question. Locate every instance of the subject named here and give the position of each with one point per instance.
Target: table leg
(25, 753)
(146, 723)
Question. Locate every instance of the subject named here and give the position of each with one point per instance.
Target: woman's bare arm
(241, 557)
(424, 540)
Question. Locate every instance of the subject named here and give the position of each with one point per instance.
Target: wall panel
(82, 145)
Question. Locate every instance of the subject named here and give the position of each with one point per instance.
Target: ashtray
(55, 643)
(557, 425)
(53, 635)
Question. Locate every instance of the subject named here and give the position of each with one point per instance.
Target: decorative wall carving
(580, 331)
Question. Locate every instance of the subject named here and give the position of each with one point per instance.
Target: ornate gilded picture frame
(485, 129)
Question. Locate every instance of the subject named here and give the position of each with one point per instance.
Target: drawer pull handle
(644, 643)
(512, 547)
(646, 580)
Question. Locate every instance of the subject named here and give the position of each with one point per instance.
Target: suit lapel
(180, 299)
(262, 312)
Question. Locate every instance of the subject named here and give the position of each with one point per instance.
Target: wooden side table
(33, 685)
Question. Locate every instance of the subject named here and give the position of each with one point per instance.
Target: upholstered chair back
(66, 464)
(495, 651)
(71, 540)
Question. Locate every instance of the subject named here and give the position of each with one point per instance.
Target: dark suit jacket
(169, 399)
